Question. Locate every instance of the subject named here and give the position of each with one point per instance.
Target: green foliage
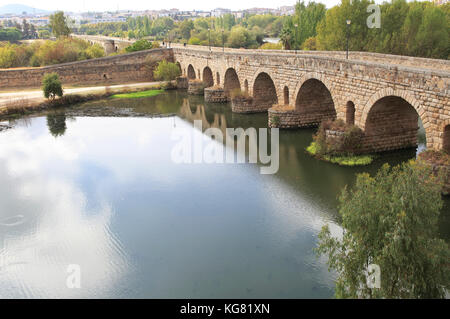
(347, 143)
(140, 45)
(275, 120)
(166, 71)
(307, 17)
(407, 28)
(310, 44)
(7, 56)
(414, 28)
(348, 160)
(48, 52)
(44, 34)
(390, 220)
(51, 86)
(147, 93)
(56, 123)
(271, 46)
(10, 34)
(58, 24)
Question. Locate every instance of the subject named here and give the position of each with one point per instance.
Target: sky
(112, 5)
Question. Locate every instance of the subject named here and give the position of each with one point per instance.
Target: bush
(238, 93)
(271, 46)
(7, 56)
(140, 45)
(166, 71)
(390, 220)
(51, 86)
(275, 120)
(347, 143)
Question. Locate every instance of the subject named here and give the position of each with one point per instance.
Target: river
(93, 187)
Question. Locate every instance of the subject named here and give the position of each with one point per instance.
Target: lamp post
(295, 37)
(348, 33)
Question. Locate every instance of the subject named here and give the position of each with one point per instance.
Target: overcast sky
(112, 5)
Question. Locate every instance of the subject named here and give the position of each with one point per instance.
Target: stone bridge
(110, 44)
(385, 95)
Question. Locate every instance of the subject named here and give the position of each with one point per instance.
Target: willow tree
(390, 220)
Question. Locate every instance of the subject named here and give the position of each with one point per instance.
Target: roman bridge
(110, 44)
(385, 95)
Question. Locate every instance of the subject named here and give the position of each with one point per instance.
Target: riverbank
(14, 104)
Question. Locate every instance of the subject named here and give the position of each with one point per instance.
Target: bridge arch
(231, 81)
(390, 92)
(314, 99)
(445, 131)
(350, 113)
(391, 123)
(208, 77)
(314, 76)
(264, 91)
(191, 72)
(286, 95)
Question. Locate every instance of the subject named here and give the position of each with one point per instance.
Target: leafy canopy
(51, 85)
(390, 220)
(58, 24)
(166, 71)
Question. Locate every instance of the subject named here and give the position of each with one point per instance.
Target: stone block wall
(215, 95)
(196, 87)
(243, 105)
(131, 67)
(182, 82)
(294, 119)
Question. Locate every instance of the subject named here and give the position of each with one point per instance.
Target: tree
(166, 71)
(185, 28)
(7, 56)
(307, 17)
(25, 29)
(286, 37)
(390, 220)
(51, 85)
(10, 34)
(139, 45)
(58, 24)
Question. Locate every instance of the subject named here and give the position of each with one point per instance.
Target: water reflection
(56, 122)
(106, 196)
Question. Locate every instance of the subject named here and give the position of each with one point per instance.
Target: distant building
(219, 12)
(440, 2)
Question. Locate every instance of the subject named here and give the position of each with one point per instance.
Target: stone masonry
(320, 85)
(131, 67)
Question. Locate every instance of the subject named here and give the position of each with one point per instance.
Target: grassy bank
(353, 160)
(17, 108)
(147, 93)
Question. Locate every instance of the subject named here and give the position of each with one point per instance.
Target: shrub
(347, 143)
(391, 220)
(166, 71)
(51, 86)
(7, 56)
(140, 45)
(275, 120)
(238, 93)
(271, 46)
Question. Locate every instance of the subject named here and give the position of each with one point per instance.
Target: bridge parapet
(303, 80)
